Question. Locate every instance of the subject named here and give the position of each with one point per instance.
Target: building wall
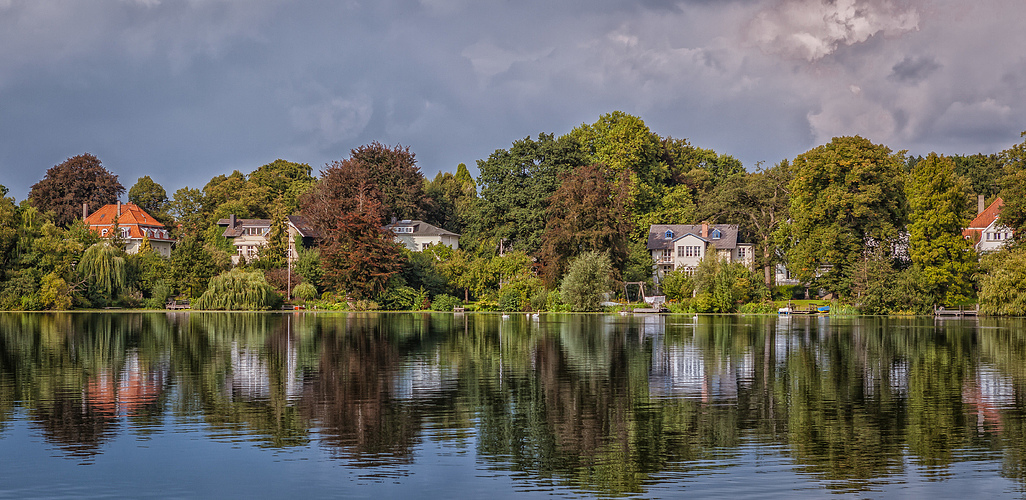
(994, 238)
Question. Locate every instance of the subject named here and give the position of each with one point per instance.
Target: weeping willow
(103, 265)
(238, 290)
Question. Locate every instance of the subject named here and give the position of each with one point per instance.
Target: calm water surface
(224, 405)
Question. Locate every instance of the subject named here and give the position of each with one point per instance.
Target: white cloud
(813, 29)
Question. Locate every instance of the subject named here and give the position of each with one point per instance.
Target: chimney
(119, 208)
(85, 210)
(231, 222)
(705, 229)
(980, 206)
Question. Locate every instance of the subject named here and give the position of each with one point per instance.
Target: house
(683, 246)
(249, 235)
(985, 232)
(417, 235)
(133, 224)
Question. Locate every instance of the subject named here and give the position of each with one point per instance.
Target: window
(680, 251)
(692, 251)
(403, 229)
(124, 232)
(425, 246)
(103, 232)
(667, 254)
(668, 234)
(715, 234)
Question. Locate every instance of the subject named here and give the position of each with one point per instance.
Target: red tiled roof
(132, 217)
(983, 221)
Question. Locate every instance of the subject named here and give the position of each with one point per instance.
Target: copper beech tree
(357, 256)
(80, 179)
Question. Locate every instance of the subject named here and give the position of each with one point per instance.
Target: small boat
(785, 310)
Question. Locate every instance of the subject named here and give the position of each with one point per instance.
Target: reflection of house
(417, 235)
(252, 377)
(133, 225)
(127, 391)
(249, 235)
(984, 232)
(683, 246)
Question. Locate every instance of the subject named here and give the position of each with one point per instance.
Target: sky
(186, 90)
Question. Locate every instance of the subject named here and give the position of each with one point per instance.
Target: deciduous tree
(938, 202)
(517, 185)
(586, 213)
(358, 257)
(80, 179)
(844, 196)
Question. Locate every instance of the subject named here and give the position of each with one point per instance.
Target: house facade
(132, 223)
(417, 235)
(249, 235)
(984, 232)
(683, 246)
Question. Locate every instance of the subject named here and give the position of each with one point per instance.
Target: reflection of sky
(422, 377)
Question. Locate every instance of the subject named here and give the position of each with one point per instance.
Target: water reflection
(607, 404)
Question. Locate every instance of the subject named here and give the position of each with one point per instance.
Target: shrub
(445, 302)
(399, 298)
(305, 291)
(238, 290)
(587, 279)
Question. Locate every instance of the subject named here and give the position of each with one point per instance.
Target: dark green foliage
(516, 186)
(193, 265)
(238, 290)
(395, 175)
(1013, 187)
(938, 204)
(402, 298)
(80, 179)
(152, 198)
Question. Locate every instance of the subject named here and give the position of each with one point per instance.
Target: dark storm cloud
(912, 70)
(185, 90)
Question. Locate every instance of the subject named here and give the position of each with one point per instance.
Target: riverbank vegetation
(555, 223)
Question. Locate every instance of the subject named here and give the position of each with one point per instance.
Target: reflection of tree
(351, 397)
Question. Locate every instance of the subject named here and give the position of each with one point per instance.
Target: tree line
(550, 223)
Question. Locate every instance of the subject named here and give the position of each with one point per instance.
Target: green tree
(758, 203)
(396, 177)
(193, 265)
(453, 200)
(80, 179)
(1003, 282)
(149, 196)
(938, 200)
(587, 280)
(1013, 187)
(517, 185)
(586, 213)
(238, 290)
(286, 182)
(844, 196)
(103, 267)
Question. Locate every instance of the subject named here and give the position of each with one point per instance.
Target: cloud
(333, 121)
(813, 29)
(912, 70)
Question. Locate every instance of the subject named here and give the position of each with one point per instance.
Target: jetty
(960, 312)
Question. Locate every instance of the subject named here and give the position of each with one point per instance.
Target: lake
(427, 405)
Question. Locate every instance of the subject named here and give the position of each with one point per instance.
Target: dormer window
(715, 234)
(668, 234)
(103, 232)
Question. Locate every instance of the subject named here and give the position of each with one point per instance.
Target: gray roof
(297, 221)
(421, 228)
(657, 235)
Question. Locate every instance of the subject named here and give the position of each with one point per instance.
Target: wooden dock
(175, 305)
(960, 312)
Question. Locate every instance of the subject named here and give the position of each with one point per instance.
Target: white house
(984, 232)
(249, 235)
(133, 224)
(683, 246)
(417, 235)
